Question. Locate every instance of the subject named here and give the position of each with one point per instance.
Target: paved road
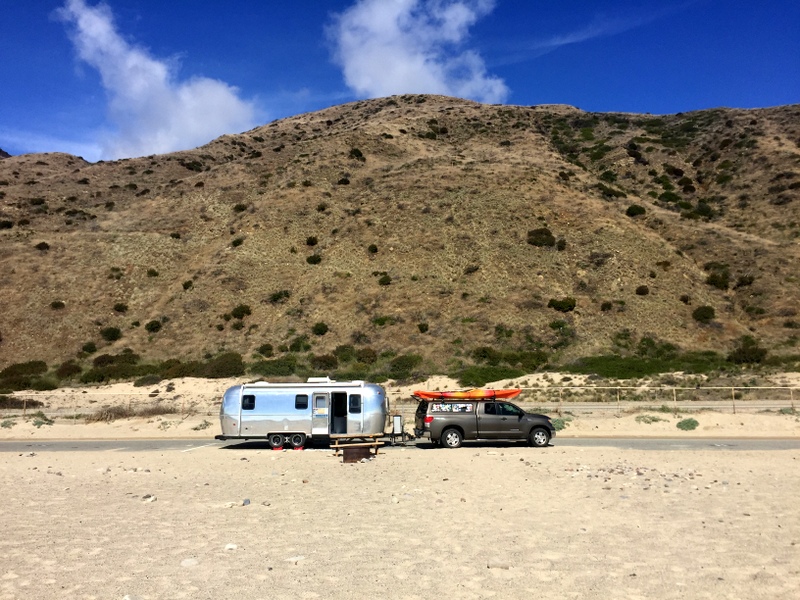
(182, 445)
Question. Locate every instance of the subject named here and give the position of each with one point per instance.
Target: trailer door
(320, 412)
(355, 414)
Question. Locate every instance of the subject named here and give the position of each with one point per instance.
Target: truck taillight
(429, 419)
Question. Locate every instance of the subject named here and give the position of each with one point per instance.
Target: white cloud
(151, 110)
(387, 47)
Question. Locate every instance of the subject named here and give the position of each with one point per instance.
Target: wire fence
(573, 399)
(569, 399)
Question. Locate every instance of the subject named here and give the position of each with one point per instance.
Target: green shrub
(42, 246)
(279, 367)
(324, 362)
(299, 344)
(541, 237)
(120, 307)
(241, 311)
(314, 259)
(111, 334)
(265, 350)
(147, 380)
(560, 423)
(564, 305)
(606, 306)
(68, 369)
(312, 240)
(385, 280)
(704, 314)
(401, 366)
(648, 419)
(153, 326)
(319, 328)
(478, 376)
(152, 273)
(747, 352)
(30, 368)
(228, 364)
(345, 353)
(188, 284)
(57, 305)
(239, 207)
(634, 210)
(687, 424)
(372, 249)
(89, 347)
(642, 290)
(356, 154)
(366, 355)
(280, 297)
(422, 327)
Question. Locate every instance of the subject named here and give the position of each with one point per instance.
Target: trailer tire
(297, 440)
(451, 438)
(275, 440)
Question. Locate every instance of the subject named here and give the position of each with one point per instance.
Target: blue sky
(137, 77)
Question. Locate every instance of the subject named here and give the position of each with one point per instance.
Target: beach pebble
(230, 547)
(246, 502)
(149, 498)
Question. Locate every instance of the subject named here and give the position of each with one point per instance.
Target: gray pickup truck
(450, 422)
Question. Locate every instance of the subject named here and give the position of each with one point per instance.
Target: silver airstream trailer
(288, 413)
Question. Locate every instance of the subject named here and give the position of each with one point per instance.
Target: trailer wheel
(297, 440)
(451, 438)
(540, 437)
(275, 440)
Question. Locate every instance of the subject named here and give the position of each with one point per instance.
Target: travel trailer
(287, 414)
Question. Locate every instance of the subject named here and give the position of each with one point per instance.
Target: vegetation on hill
(408, 235)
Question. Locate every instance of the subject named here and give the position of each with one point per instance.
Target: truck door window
(490, 408)
(355, 403)
(301, 401)
(248, 402)
(508, 409)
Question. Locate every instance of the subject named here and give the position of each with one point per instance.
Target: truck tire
(539, 437)
(275, 440)
(451, 438)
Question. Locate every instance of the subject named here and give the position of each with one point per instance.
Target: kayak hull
(474, 394)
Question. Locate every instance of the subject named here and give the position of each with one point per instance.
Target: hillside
(413, 225)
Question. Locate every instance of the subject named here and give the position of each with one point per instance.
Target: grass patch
(201, 426)
(687, 424)
(648, 419)
(8, 423)
(633, 367)
(560, 423)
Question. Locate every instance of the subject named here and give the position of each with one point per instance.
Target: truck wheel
(297, 440)
(540, 437)
(275, 440)
(451, 438)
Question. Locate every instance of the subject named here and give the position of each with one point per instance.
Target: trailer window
(248, 402)
(355, 403)
(301, 401)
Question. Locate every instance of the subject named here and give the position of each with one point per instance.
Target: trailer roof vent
(325, 379)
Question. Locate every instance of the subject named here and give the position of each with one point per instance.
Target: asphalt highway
(183, 445)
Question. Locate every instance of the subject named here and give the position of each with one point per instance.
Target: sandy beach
(412, 523)
(230, 521)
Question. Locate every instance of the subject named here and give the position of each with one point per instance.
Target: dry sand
(509, 522)
(208, 521)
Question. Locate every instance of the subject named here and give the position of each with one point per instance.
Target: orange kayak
(474, 394)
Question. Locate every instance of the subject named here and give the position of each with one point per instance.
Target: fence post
(560, 401)
(674, 401)
(733, 399)
(24, 405)
(791, 397)
(618, 409)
